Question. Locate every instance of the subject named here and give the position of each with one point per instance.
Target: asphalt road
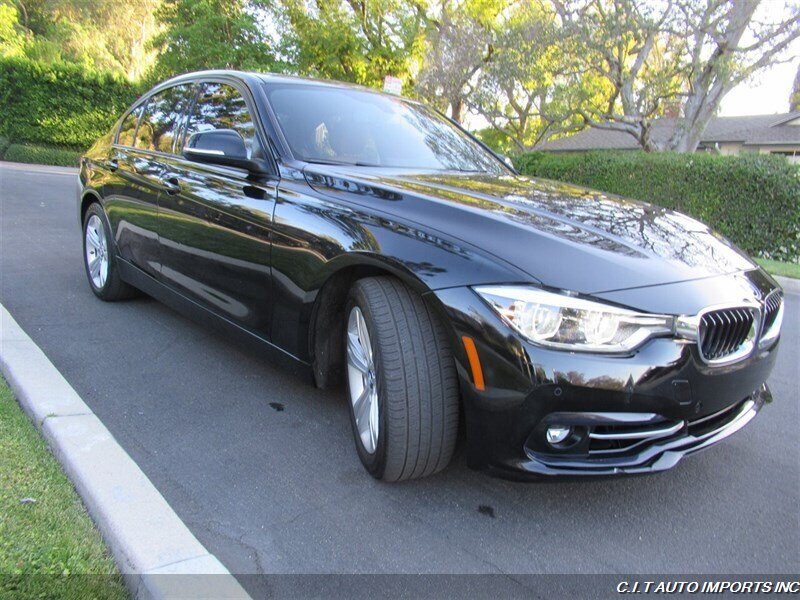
(282, 491)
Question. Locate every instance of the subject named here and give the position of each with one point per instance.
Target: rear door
(215, 225)
(138, 159)
(130, 202)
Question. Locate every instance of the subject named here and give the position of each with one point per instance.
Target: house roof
(749, 130)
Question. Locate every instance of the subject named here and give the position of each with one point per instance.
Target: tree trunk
(712, 82)
(794, 97)
(698, 111)
(457, 109)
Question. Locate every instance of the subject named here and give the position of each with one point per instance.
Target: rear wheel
(401, 381)
(99, 258)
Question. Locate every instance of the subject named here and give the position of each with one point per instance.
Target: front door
(215, 222)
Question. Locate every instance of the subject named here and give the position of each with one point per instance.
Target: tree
(360, 41)
(134, 24)
(794, 97)
(523, 91)
(12, 34)
(207, 34)
(460, 41)
(652, 54)
(103, 34)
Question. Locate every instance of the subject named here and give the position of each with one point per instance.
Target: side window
(162, 118)
(221, 106)
(128, 128)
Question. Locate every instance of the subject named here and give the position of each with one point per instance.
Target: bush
(753, 199)
(4, 144)
(59, 103)
(42, 155)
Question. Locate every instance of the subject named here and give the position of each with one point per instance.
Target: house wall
(730, 148)
(792, 153)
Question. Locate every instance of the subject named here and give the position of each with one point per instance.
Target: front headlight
(570, 323)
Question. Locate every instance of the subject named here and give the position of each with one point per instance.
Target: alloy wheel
(96, 251)
(362, 379)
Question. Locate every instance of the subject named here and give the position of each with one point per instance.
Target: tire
(106, 282)
(414, 382)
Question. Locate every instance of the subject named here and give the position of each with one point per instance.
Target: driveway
(261, 466)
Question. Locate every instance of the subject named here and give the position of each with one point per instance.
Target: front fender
(316, 237)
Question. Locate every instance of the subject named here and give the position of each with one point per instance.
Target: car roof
(257, 76)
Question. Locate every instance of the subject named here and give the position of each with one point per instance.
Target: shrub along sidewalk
(50, 111)
(40, 155)
(59, 104)
(49, 547)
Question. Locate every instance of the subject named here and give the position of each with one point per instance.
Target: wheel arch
(88, 197)
(326, 324)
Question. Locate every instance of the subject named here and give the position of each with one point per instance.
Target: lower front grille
(726, 333)
(620, 448)
(703, 425)
(625, 439)
(606, 440)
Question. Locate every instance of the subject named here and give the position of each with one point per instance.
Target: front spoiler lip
(659, 456)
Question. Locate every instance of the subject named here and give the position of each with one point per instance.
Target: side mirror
(224, 147)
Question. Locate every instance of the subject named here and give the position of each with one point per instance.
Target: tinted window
(337, 125)
(161, 119)
(128, 127)
(221, 106)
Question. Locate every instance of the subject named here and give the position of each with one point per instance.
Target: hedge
(59, 104)
(753, 199)
(41, 155)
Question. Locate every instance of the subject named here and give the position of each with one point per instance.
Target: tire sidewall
(375, 463)
(97, 209)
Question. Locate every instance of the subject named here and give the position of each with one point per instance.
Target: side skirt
(201, 315)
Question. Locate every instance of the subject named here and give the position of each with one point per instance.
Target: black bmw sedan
(369, 241)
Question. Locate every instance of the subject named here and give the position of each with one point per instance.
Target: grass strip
(49, 546)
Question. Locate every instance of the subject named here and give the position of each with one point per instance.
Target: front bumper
(651, 456)
(526, 388)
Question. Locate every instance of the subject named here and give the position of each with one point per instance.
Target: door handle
(112, 164)
(171, 184)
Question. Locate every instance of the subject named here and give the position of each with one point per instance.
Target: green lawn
(775, 267)
(49, 547)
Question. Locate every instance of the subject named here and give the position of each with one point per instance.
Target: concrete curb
(157, 554)
(49, 169)
(789, 285)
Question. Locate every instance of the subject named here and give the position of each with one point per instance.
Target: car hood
(562, 235)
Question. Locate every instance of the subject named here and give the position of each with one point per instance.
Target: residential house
(766, 134)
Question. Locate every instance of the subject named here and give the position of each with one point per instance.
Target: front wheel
(99, 258)
(401, 381)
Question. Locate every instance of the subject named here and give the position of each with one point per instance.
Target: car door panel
(214, 230)
(216, 243)
(132, 207)
(138, 165)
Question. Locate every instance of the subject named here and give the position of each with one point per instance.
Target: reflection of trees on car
(221, 106)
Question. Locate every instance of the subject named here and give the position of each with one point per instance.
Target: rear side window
(221, 106)
(128, 128)
(162, 119)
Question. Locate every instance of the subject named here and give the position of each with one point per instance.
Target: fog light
(556, 434)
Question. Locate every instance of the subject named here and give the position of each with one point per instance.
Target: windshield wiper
(330, 161)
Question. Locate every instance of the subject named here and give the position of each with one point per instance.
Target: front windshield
(358, 127)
